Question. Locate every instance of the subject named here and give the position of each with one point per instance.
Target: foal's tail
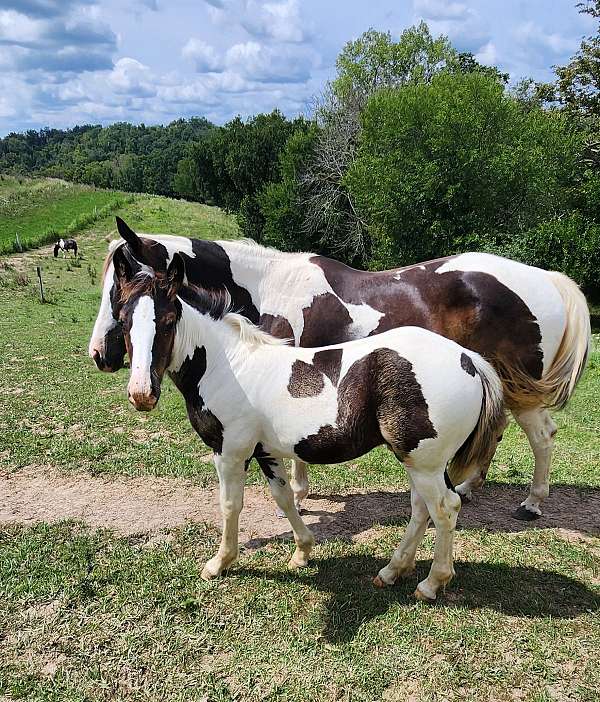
(480, 445)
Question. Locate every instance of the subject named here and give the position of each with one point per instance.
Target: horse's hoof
(465, 499)
(422, 597)
(378, 582)
(525, 515)
(207, 574)
(296, 564)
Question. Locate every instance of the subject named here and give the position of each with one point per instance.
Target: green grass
(85, 615)
(91, 617)
(40, 211)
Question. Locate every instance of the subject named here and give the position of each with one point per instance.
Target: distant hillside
(122, 156)
(39, 211)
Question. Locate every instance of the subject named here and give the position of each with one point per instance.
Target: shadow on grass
(511, 590)
(345, 516)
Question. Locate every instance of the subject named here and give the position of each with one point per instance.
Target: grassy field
(40, 211)
(88, 615)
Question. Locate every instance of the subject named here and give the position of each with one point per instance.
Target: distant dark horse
(65, 245)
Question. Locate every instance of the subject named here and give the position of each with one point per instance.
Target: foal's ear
(123, 268)
(176, 274)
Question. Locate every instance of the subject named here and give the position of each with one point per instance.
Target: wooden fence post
(39, 275)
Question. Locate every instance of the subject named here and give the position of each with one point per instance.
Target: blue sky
(64, 62)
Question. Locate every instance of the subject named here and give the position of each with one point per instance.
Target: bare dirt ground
(146, 506)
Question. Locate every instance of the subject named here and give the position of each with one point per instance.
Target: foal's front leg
(232, 475)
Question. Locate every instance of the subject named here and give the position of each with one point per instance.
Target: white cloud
(487, 54)
(130, 77)
(203, 56)
(463, 25)
(532, 35)
(280, 21)
(270, 64)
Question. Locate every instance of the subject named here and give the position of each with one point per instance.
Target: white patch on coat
(105, 320)
(285, 285)
(365, 319)
(531, 284)
(143, 330)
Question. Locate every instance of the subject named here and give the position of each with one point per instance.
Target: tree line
(414, 151)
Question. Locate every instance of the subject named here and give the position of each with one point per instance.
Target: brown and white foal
(249, 394)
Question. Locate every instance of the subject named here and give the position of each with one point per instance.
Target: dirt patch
(133, 506)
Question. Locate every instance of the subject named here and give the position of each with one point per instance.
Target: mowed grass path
(85, 615)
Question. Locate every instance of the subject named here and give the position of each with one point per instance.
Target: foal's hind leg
(402, 562)
(443, 506)
(284, 497)
(540, 429)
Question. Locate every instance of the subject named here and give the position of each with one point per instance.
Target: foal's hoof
(422, 597)
(378, 582)
(525, 515)
(466, 498)
(295, 563)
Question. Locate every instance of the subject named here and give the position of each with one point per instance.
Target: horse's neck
(196, 330)
(252, 267)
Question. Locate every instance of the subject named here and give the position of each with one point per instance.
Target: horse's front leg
(232, 475)
(299, 485)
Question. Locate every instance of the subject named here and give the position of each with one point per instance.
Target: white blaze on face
(105, 320)
(143, 330)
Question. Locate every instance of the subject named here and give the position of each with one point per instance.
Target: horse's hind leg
(284, 497)
(443, 506)
(402, 562)
(540, 429)
(232, 475)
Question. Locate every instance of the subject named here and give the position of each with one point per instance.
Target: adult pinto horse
(250, 395)
(532, 325)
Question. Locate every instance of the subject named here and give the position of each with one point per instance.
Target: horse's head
(149, 315)
(107, 344)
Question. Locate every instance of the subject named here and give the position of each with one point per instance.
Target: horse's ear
(176, 274)
(144, 250)
(126, 232)
(123, 268)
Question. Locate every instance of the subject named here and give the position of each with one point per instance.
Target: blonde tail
(569, 363)
(481, 443)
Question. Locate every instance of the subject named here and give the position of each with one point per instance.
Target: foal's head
(149, 317)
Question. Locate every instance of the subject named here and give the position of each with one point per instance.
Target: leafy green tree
(371, 63)
(577, 85)
(457, 164)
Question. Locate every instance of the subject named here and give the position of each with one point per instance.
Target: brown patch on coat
(329, 362)
(379, 401)
(305, 380)
(276, 326)
(470, 307)
(327, 320)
